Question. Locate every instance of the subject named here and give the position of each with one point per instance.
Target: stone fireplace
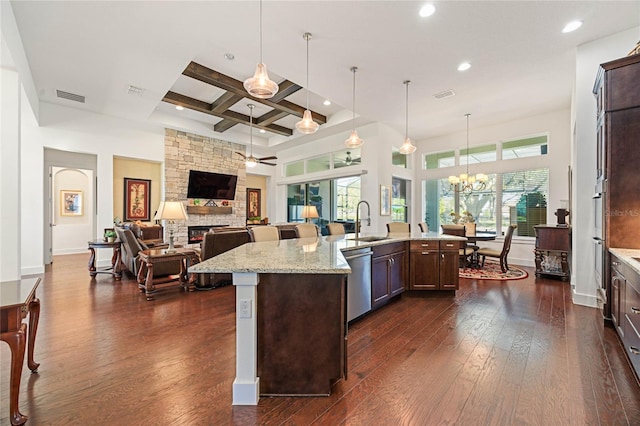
(187, 151)
(195, 233)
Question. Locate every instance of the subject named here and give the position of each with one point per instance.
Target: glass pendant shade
(307, 125)
(407, 147)
(354, 141)
(260, 86)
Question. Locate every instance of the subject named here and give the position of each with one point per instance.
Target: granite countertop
(315, 255)
(627, 256)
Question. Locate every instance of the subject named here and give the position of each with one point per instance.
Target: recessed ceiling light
(327, 102)
(263, 131)
(229, 56)
(464, 66)
(572, 26)
(179, 107)
(427, 10)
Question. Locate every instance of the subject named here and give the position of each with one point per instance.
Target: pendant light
(354, 141)
(260, 86)
(468, 183)
(251, 161)
(407, 147)
(307, 125)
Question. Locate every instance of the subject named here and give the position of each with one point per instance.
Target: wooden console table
(115, 259)
(553, 248)
(150, 257)
(18, 299)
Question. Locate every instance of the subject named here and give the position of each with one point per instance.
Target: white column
(246, 386)
(9, 175)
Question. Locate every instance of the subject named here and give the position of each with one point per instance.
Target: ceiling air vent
(445, 94)
(134, 90)
(70, 96)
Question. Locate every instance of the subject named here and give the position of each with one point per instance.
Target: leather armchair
(215, 242)
(132, 246)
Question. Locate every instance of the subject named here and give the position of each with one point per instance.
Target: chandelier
(468, 183)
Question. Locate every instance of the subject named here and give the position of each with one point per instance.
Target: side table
(17, 300)
(150, 257)
(115, 258)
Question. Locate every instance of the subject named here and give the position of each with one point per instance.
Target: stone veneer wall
(186, 151)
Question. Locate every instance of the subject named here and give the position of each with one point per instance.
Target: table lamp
(309, 212)
(171, 211)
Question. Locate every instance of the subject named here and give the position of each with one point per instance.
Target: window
(398, 159)
(294, 169)
(399, 200)
(478, 154)
(318, 164)
(440, 160)
(530, 147)
(343, 158)
(335, 200)
(509, 198)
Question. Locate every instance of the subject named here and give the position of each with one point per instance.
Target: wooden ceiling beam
(204, 107)
(225, 101)
(270, 117)
(217, 79)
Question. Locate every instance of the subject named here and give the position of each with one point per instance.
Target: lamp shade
(171, 210)
(309, 212)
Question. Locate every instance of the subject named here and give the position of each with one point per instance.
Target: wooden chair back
(264, 233)
(423, 227)
(398, 227)
(335, 228)
(305, 230)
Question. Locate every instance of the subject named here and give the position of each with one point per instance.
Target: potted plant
(255, 219)
(110, 235)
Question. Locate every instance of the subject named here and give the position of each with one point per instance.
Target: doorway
(70, 184)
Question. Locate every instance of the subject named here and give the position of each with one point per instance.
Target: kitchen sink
(369, 238)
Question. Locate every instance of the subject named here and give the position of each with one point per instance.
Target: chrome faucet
(358, 216)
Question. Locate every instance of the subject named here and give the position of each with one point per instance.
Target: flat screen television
(212, 186)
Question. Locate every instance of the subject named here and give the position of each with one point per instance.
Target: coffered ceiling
(176, 52)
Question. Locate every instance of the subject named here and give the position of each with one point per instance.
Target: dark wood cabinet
(434, 265)
(625, 308)
(388, 272)
(553, 251)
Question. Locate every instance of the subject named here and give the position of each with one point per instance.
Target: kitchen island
(291, 330)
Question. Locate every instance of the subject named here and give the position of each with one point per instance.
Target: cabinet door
(424, 270)
(449, 264)
(397, 273)
(379, 280)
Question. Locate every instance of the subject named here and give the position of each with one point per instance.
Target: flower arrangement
(465, 217)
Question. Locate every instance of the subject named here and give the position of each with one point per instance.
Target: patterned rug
(491, 271)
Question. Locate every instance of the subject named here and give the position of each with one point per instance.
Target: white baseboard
(589, 300)
(32, 270)
(70, 251)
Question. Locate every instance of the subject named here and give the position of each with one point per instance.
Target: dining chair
(305, 230)
(398, 227)
(423, 227)
(502, 254)
(335, 228)
(465, 252)
(264, 233)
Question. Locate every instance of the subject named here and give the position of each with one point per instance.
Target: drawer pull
(615, 263)
(425, 245)
(426, 252)
(634, 351)
(635, 310)
(449, 245)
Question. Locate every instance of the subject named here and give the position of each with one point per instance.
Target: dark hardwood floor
(504, 353)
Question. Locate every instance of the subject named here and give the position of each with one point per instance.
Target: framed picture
(137, 199)
(385, 201)
(70, 202)
(253, 202)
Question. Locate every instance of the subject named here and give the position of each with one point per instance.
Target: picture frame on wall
(137, 199)
(71, 202)
(385, 200)
(253, 203)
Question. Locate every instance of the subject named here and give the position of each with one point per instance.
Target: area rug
(491, 271)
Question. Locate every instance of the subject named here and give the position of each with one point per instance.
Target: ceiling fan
(252, 161)
(348, 160)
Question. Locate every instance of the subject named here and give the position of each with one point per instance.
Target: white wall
(588, 58)
(71, 233)
(71, 129)
(555, 124)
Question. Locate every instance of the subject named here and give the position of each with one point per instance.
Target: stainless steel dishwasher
(358, 282)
